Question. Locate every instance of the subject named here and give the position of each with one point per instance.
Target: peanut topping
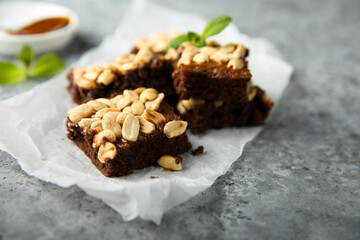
(144, 55)
(239, 52)
(109, 122)
(236, 63)
(170, 162)
(218, 103)
(86, 83)
(145, 125)
(127, 110)
(103, 136)
(86, 122)
(123, 102)
(77, 113)
(106, 101)
(187, 55)
(126, 67)
(131, 94)
(148, 94)
(155, 104)
(252, 94)
(106, 77)
(102, 112)
(201, 58)
(107, 151)
(180, 107)
(125, 58)
(131, 127)
(91, 75)
(121, 117)
(97, 126)
(175, 128)
(230, 47)
(171, 54)
(139, 90)
(219, 56)
(208, 50)
(97, 105)
(137, 107)
(153, 116)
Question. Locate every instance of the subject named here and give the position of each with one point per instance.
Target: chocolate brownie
(216, 75)
(130, 131)
(212, 73)
(204, 114)
(112, 78)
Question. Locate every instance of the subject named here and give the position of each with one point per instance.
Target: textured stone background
(299, 179)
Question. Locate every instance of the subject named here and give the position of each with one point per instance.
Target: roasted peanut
(155, 104)
(137, 107)
(106, 77)
(109, 122)
(153, 116)
(175, 128)
(75, 114)
(103, 136)
(148, 94)
(102, 112)
(170, 162)
(145, 125)
(107, 151)
(130, 129)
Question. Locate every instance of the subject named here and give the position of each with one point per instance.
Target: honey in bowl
(41, 26)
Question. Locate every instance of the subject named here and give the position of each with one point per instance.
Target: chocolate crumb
(178, 160)
(154, 177)
(199, 150)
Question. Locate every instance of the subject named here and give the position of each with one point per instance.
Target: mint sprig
(45, 66)
(212, 28)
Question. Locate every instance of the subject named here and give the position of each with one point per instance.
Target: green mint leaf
(193, 37)
(25, 56)
(10, 73)
(46, 66)
(175, 43)
(198, 40)
(216, 25)
(201, 42)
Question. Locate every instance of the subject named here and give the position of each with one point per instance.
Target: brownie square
(156, 73)
(211, 81)
(205, 114)
(130, 131)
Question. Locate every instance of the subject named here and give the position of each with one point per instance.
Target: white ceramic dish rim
(73, 24)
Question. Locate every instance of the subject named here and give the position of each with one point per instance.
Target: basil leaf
(10, 73)
(25, 56)
(46, 66)
(216, 25)
(175, 43)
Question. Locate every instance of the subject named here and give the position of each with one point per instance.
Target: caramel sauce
(42, 26)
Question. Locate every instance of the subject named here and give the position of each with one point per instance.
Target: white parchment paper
(33, 124)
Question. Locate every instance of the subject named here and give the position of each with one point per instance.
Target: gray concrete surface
(299, 179)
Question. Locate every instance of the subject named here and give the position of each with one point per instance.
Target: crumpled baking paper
(33, 124)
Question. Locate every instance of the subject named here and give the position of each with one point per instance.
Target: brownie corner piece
(128, 132)
(213, 73)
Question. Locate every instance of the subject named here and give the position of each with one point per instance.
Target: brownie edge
(119, 141)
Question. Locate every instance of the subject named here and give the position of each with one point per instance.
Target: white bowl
(17, 14)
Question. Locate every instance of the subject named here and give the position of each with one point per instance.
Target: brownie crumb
(154, 177)
(199, 150)
(178, 160)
